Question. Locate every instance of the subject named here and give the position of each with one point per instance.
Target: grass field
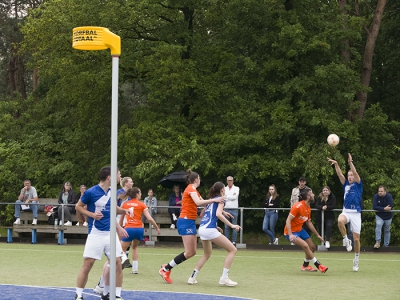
(260, 274)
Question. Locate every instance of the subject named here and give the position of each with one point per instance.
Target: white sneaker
(227, 282)
(77, 224)
(68, 223)
(355, 265)
(85, 224)
(34, 222)
(192, 280)
(134, 272)
(327, 245)
(98, 290)
(347, 243)
(17, 221)
(276, 241)
(172, 226)
(174, 217)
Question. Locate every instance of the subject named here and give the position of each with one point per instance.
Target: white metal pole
(114, 170)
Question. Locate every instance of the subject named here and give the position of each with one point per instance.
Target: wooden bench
(27, 216)
(42, 226)
(162, 219)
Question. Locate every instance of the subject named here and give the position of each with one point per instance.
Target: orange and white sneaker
(165, 274)
(322, 268)
(308, 269)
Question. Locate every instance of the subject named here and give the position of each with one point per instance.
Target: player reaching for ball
(352, 204)
(301, 213)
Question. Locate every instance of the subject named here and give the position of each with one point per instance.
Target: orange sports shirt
(189, 208)
(138, 208)
(301, 212)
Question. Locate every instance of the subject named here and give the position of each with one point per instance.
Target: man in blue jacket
(383, 204)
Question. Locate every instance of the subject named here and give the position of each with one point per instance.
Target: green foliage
(252, 94)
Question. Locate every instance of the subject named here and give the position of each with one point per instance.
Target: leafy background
(243, 88)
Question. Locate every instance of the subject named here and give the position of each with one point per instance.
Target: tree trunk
(345, 53)
(372, 34)
(11, 75)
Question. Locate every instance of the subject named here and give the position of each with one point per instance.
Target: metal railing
(240, 209)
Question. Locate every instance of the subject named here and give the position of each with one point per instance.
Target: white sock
(357, 256)
(101, 281)
(172, 263)
(79, 291)
(313, 260)
(118, 290)
(345, 237)
(225, 273)
(194, 274)
(135, 265)
(106, 289)
(306, 260)
(124, 257)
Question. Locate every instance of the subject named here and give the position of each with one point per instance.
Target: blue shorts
(134, 234)
(301, 234)
(186, 227)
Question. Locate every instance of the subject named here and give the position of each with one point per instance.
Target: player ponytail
(132, 193)
(215, 190)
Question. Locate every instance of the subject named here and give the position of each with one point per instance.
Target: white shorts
(354, 218)
(207, 234)
(97, 244)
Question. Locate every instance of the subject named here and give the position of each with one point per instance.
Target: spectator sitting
(28, 195)
(66, 196)
(175, 199)
(82, 219)
(151, 202)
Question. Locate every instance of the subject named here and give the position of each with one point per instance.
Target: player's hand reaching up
(332, 161)
(350, 158)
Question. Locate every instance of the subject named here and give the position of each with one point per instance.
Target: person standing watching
(326, 202)
(231, 207)
(383, 204)
(295, 197)
(353, 189)
(271, 202)
(27, 196)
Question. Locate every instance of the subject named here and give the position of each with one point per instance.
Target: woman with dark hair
(175, 199)
(210, 233)
(271, 202)
(186, 224)
(326, 202)
(66, 196)
(134, 225)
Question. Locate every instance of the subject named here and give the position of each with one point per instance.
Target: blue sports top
(210, 219)
(97, 200)
(352, 196)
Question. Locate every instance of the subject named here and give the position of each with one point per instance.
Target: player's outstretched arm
(338, 170)
(353, 169)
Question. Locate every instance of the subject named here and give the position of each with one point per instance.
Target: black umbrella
(171, 179)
